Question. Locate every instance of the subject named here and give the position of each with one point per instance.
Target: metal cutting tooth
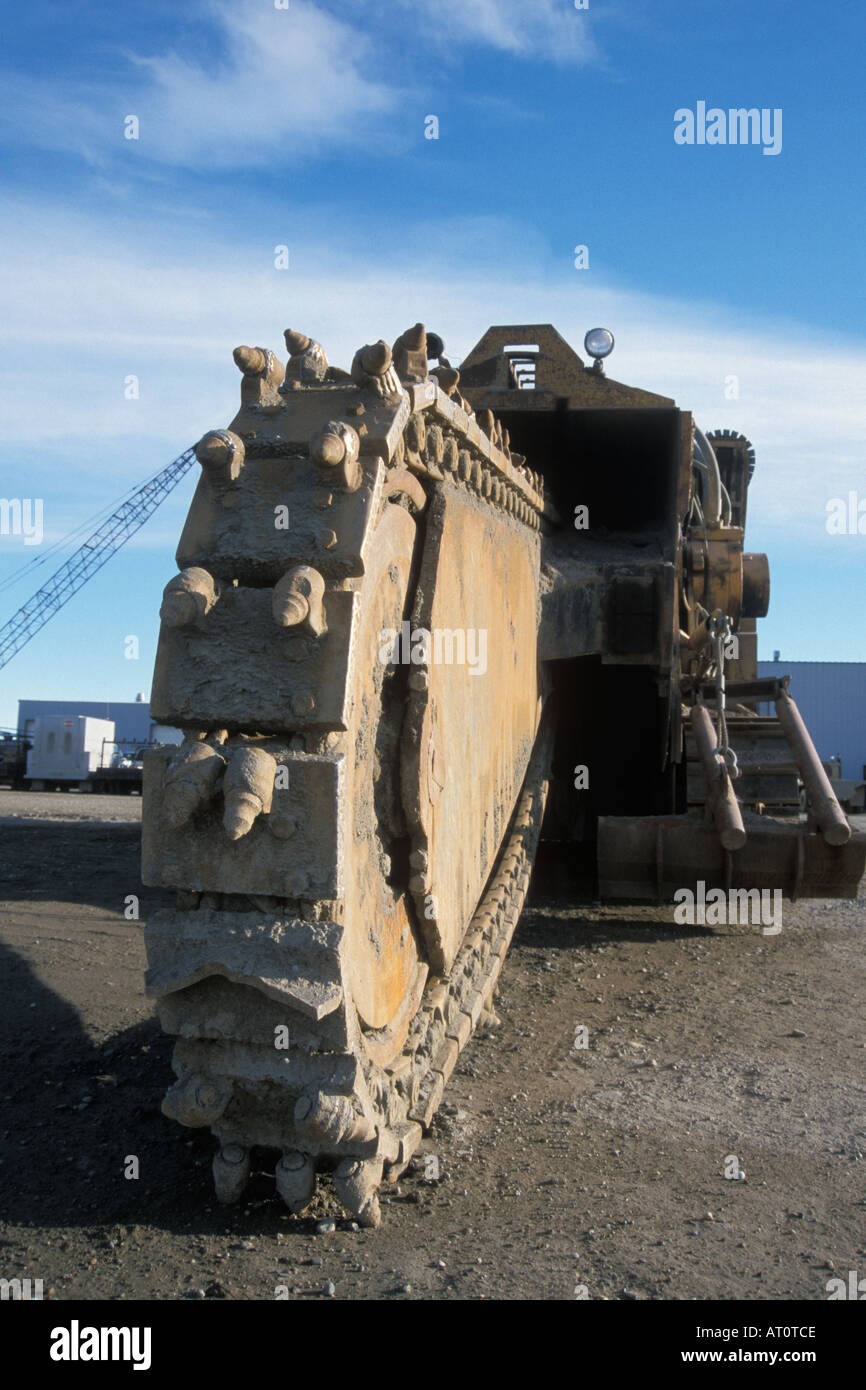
(231, 1172)
(356, 1183)
(295, 1178)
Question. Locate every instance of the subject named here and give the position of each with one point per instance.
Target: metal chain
(719, 628)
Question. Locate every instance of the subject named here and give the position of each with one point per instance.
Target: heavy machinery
(409, 600)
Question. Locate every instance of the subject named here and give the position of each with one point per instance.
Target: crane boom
(90, 556)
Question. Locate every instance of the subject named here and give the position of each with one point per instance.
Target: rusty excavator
(412, 601)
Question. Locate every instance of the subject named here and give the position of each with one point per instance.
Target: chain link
(719, 628)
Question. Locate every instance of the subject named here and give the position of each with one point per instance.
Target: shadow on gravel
(74, 1112)
(70, 862)
(543, 926)
(562, 913)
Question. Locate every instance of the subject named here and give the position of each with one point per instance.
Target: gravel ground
(63, 807)
(559, 1172)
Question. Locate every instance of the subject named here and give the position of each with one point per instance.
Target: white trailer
(69, 750)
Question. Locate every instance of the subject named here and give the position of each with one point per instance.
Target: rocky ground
(552, 1171)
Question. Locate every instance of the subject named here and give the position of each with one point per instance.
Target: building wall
(831, 696)
(132, 718)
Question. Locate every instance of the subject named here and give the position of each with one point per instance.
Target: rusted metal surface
(715, 562)
(473, 707)
(650, 858)
(722, 798)
(756, 585)
(767, 767)
(828, 813)
(556, 371)
(383, 954)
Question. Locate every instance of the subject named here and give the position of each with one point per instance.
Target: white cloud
(291, 78)
(288, 82)
(77, 323)
(553, 30)
(270, 85)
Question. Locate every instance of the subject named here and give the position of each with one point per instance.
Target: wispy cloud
(269, 82)
(268, 85)
(299, 74)
(552, 30)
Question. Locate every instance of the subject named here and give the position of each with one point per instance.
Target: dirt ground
(562, 1172)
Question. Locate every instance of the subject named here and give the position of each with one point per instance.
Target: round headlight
(598, 342)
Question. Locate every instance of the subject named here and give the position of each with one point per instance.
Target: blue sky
(304, 126)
